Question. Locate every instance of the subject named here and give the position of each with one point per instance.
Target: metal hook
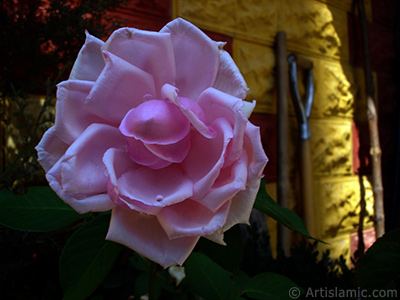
(303, 110)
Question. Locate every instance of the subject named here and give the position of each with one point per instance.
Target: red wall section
(147, 15)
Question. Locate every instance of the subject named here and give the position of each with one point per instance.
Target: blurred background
(40, 40)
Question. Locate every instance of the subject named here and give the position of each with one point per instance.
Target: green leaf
(87, 258)
(207, 278)
(379, 269)
(240, 281)
(282, 215)
(40, 209)
(266, 286)
(230, 256)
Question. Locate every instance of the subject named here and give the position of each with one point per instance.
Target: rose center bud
(155, 122)
(157, 134)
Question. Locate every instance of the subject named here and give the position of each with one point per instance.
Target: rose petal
(252, 145)
(239, 212)
(155, 188)
(235, 149)
(50, 149)
(143, 156)
(80, 202)
(174, 153)
(206, 157)
(196, 58)
(248, 108)
(217, 104)
(90, 62)
(242, 203)
(72, 117)
(119, 88)
(82, 169)
(152, 188)
(144, 234)
(132, 204)
(190, 218)
(229, 79)
(190, 109)
(149, 51)
(230, 181)
(155, 122)
(118, 164)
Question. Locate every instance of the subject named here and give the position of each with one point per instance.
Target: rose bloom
(152, 125)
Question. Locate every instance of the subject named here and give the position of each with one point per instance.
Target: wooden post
(283, 235)
(375, 149)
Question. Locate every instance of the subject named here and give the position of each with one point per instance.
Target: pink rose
(152, 126)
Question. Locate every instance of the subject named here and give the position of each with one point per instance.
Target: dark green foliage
(40, 209)
(87, 258)
(311, 269)
(379, 268)
(282, 215)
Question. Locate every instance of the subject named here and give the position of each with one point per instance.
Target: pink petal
(242, 205)
(90, 62)
(206, 157)
(50, 149)
(82, 168)
(118, 165)
(174, 153)
(143, 234)
(131, 204)
(140, 154)
(190, 109)
(82, 203)
(196, 58)
(152, 188)
(230, 181)
(158, 188)
(149, 51)
(253, 147)
(236, 146)
(117, 162)
(190, 218)
(217, 104)
(243, 202)
(239, 212)
(72, 117)
(248, 108)
(155, 122)
(229, 79)
(119, 88)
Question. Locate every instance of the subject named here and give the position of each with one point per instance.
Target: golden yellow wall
(316, 30)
